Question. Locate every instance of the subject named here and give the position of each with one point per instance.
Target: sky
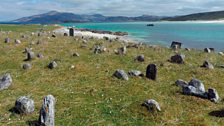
(14, 9)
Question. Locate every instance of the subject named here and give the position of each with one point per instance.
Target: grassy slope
(88, 95)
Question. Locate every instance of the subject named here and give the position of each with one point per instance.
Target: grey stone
(181, 83)
(76, 54)
(207, 65)
(187, 49)
(5, 81)
(24, 105)
(27, 66)
(120, 74)
(176, 45)
(40, 55)
(197, 84)
(152, 105)
(121, 51)
(47, 111)
(7, 40)
(221, 53)
(140, 58)
(26, 50)
(135, 73)
(191, 90)
(52, 65)
(213, 95)
(30, 55)
(17, 41)
(151, 71)
(99, 49)
(179, 59)
(207, 50)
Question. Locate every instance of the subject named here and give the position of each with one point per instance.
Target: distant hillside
(198, 16)
(64, 17)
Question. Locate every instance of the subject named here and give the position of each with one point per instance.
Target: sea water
(192, 34)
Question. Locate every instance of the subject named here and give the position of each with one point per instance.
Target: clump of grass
(89, 95)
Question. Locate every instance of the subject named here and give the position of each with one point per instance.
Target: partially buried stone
(24, 105)
(152, 105)
(213, 95)
(76, 54)
(207, 50)
(40, 55)
(27, 66)
(140, 58)
(151, 72)
(120, 74)
(181, 83)
(30, 55)
(52, 65)
(17, 41)
(5, 81)
(135, 73)
(47, 112)
(7, 40)
(179, 59)
(207, 65)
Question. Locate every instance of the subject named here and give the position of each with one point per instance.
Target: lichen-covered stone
(24, 105)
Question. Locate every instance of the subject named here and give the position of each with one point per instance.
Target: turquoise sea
(191, 34)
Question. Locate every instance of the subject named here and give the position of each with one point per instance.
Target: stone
(207, 50)
(27, 66)
(197, 84)
(65, 34)
(152, 105)
(151, 71)
(176, 45)
(52, 65)
(7, 40)
(47, 112)
(213, 95)
(71, 31)
(179, 59)
(99, 49)
(140, 58)
(181, 83)
(26, 50)
(5, 81)
(121, 51)
(40, 55)
(30, 55)
(24, 105)
(120, 74)
(187, 49)
(53, 35)
(75, 54)
(221, 53)
(135, 73)
(17, 41)
(207, 65)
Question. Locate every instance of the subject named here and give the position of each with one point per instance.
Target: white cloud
(12, 9)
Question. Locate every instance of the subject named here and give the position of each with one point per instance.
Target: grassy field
(89, 95)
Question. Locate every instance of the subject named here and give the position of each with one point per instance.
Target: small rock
(75, 54)
(179, 59)
(53, 35)
(135, 73)
(207, 50)
(207, 65)
(99, 49)
(17, 41)
(52, 65)
(7, 40)
(140, 58)
(221, 53)
(187, 49)
(24, 105)
(176, 45)
(47, 112)
(27, 66)
(5, 81)
(181, 83)
(40, 55)
(120, 74)
(213, 95)
(121, 51)
(65, 34)
(26, 50)
(30, 55)
(151, 71)
(152, 105)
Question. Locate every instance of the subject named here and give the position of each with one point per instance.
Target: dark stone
(71, 31)
(207, 50)
(151, 71)
(152, 105)
(53, 35)
(5, 81)
(120, 74)
(207, 65)
(40, 56)
(30, 55)
(213, 95)
(181, 83)
(24, 105)
(52, 65)
(176, 45)
(179, 59)
(65, 34)
(75, 54)
(47, 112)
(140, 58)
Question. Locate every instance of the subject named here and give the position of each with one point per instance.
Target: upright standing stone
(5, 81)
(24, 105)
(47, 111)
(213, 95)
(151, 71)
(175, 45)
(71, 31)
